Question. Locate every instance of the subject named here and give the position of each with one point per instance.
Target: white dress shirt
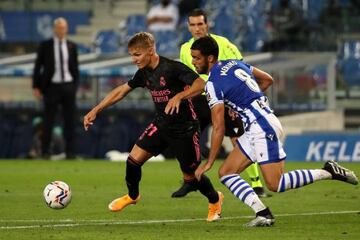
(57, 75)
(159, 11)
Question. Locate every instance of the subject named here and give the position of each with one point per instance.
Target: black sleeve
(39, 64)
(138, 80)
(184, 73)
(76, 62)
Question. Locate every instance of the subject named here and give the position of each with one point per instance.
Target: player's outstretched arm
(264, 79)
(217, 136)
(114, 96)
(196, 88)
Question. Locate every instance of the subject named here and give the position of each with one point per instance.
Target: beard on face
(204, 68)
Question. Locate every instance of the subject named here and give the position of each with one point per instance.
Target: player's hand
(173, 105)
(89, 119)
(203, 168)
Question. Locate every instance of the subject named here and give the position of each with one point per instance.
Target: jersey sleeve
(214, 95)
(185, 55)
(229, 51)
(232, 49)
(249, 66)
(184, 73)
(137, 80)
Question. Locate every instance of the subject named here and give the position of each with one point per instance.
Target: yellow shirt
(227, 50)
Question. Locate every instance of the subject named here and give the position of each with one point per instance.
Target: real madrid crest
(162, 81)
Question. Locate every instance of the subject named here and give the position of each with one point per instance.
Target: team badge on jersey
(162, 81)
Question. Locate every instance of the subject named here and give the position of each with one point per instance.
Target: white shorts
(262, 141)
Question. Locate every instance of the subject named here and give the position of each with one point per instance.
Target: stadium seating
(82, 49)
(255, 34)
(314, 9)
(77, 5)
(167, 42)
(224, 24)
(35, 26)
(242, 21)
(135, 23)
(107, 42)
(349, 62)
(349, 49)
(350, 69)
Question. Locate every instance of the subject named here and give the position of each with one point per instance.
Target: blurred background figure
(55, 81)
(163, 16)
(186, 6)
(57, 146)
(285, 24)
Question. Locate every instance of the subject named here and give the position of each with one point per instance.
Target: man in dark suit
(55, 80)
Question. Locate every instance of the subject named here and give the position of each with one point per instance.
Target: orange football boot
(120, 203)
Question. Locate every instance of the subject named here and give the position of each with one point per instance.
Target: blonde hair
(142, 39)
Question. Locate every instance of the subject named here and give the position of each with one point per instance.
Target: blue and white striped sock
(298, 178)
(242, 190)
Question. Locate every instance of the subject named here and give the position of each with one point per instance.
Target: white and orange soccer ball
(57, 195)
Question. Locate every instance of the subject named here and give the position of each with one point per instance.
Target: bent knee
(224, 172)
(273, 187)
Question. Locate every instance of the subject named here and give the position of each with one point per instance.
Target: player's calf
(299, 178)
(242, 190)
(331, 170)
(272, 186)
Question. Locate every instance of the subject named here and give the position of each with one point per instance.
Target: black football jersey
(164, 82)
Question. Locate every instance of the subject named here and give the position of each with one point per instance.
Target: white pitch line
(84, 222)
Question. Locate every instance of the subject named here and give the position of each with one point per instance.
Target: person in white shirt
(163, 16)
(55, 81)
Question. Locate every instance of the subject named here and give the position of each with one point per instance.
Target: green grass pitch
(324, 210)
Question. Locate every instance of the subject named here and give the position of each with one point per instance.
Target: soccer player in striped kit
(232, 83)
(198, 27)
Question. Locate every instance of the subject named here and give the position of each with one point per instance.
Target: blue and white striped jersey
(231, 82)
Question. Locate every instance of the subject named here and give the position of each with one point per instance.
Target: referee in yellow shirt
(197, 25)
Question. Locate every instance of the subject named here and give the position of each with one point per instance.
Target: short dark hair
(207, 46)
(198, 12)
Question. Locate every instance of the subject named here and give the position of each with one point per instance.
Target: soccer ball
(57, 195)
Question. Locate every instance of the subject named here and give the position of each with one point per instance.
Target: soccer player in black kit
(175, 125)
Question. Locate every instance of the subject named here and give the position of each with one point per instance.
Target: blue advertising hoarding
(343, 147)
(20, 26)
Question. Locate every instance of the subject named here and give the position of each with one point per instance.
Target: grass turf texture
(300, 214)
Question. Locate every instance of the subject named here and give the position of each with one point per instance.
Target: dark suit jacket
(45, 64)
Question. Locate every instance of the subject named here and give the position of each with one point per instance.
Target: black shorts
(233, 124)
(184, 144)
